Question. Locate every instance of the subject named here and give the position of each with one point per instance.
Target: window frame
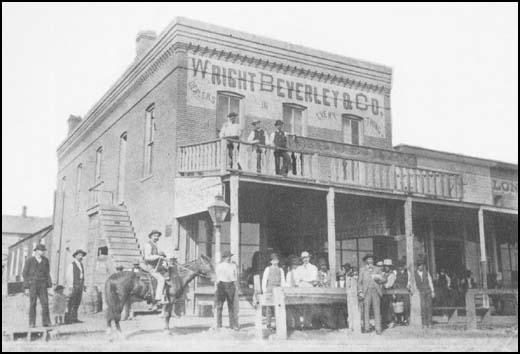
(79, 175)
(229, 95)
(361, 131)
(296, 107)
(149, 141)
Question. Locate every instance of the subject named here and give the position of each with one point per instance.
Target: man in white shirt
(226, 277)
(273, 277)
(75, 281)
(153, 259)
(424, 285)
(307, 274)
(231, 130)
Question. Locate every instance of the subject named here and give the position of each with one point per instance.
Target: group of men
(231, 129)
(37, 281)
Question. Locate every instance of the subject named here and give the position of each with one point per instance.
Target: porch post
(331, 235)
(234, 227)
(432, 247)
(483, 255)
(415, 302)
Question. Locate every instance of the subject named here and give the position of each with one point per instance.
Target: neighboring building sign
(505, 186)
(265, 92)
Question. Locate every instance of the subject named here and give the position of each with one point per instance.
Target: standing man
(227, 275)
(279, 141)
(306, 277)
(353, 308)
(153, 259)
(231, 130)
(424, 284)
(75, 281)
(390, 274)
(257, 136)
(273, 277)
(369, 285)
(36, 281)
(402, 281)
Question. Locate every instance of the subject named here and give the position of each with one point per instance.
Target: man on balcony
(231, 130)
(279, 141)
(257, 136)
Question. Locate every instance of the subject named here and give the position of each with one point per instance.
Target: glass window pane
(222, 110)
(234, 106)
(250, 234)
(298, 125)
(287, 117)
(349, 244)
(350, 257)
(355, 132)
(365, 244)
(347, 131)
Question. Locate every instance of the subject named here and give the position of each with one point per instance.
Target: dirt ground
(145, 333)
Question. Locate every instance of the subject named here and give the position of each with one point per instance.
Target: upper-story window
(149, 140)
(352, 129)
(294, 119)
(99, 158)
(228, 102)
(79, 172)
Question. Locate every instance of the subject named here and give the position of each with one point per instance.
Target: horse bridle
(200, 274)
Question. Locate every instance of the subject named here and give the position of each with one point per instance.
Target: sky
(455, 71)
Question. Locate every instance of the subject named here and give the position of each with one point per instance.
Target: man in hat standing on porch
(36, 281)
(75, 281)
(227, 275)
(369, 285)
(153, 259)
(257, 136)
(279, 141)
(231, 130)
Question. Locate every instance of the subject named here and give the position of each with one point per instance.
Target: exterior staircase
(112, 242)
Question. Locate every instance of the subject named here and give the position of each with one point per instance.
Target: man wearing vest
(152, 259)
(279, 141)
(402, 282)
(75, 281)
(369, 285)
(424, 285)
(257, 136)
(273, 277)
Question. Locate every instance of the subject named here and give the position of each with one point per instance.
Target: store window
(352, 129)
(294, 119)
(149, 141)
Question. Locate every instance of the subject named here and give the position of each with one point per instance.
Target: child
(59, 305)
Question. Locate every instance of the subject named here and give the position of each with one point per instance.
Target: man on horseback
(153, 259)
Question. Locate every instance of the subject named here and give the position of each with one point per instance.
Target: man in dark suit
(369, 285)
(76, 284)
(36, 281)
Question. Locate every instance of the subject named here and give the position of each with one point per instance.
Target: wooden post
(415, 308)
(331, 235)
(280, 313)
(234, 236)
(432, 247)
(471, 312)
(258, 306)
(483, 255)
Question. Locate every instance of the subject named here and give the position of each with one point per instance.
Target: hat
(154, 232)
(278, 122)
(227, 254)
(59, 287)
(255, 122)
(367, 257)
(232, 114)
(275, 256)
(305, 254)
(79, 251)
(387, 262)
(40, 247)
(347, 266)
(379, 264)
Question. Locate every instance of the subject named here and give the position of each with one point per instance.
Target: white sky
(455, 71)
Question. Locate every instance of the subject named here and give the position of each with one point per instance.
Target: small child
(59, 305)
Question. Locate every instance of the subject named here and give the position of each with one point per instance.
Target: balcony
(323, 162)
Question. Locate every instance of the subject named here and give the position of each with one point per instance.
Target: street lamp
(218, 211)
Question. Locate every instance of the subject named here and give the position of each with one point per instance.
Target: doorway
(449, 255)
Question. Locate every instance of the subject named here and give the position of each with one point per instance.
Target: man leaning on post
(36, 281)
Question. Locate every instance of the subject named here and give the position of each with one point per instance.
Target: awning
(193, 195)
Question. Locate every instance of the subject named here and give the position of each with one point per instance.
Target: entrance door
(449, 255)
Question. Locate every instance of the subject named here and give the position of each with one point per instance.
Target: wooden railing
(225, 155)
(98, 196)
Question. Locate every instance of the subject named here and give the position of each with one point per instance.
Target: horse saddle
(151, 284)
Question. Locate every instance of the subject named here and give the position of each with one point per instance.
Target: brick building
(147, 156)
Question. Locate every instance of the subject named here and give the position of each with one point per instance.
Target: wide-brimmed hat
(305, 254)
(387, 262)
(347, 266)
(59, 287)
(255, 122)
(40, 247)
(78, 252)
(379, 264)
(232, 114)
(154, 232)
(367, 257)
(227, 254)
(278, 122)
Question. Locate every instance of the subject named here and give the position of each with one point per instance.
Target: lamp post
(218, 211)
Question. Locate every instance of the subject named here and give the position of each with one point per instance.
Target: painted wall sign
(505, 187)
(265, 92)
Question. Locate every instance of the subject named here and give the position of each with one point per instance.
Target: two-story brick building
(147, 155)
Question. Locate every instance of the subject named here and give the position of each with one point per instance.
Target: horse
(124, 287)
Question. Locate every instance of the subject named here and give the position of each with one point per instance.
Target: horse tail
(114, 303)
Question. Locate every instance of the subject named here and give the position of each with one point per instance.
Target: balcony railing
(221, 156)
(98, 196)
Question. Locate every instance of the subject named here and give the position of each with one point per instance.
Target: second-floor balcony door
(121, 170)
